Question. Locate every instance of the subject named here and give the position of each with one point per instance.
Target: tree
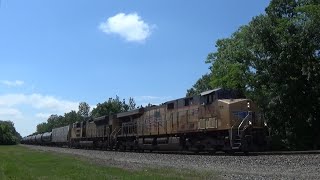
(132, 104)
(72, 117)
(275, 60)
(8, 134)
(203, 84)
(42, 127)
(112, 106)
(84, 109)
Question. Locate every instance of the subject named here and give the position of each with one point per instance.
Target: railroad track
(217, 153)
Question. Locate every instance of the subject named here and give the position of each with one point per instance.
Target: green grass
(17, 162)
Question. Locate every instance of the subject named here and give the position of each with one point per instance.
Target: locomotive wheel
(196, 151)
(122, 148)
(230, 152)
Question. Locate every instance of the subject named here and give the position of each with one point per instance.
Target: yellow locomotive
(215, 120)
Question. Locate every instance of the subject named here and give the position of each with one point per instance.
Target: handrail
(244, 119)
(115, 131)
(119, 130)
(231, 134)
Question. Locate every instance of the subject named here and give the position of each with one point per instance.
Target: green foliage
(229, 69)
(72, 117)
(8, 134)
(84, 109)
(275, 60)
(112, 106)
(203, 84)
(42, 127)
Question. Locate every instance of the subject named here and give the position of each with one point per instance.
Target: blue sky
(55, 54)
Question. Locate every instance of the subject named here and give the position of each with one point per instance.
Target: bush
(8, 134)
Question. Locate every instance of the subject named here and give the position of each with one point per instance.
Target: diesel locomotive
(215, 120)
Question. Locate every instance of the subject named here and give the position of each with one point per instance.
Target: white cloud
(43, 115)
(10, 112)
(12, 83)
(131, 27)
(28, 110)
(38, 101)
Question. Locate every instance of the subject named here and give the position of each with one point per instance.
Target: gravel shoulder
(298, 166)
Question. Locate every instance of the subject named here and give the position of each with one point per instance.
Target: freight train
(215, 120)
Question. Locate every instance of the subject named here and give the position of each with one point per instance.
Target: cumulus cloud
(28, 110)
(43, 115)
(38, 101)
(12, 83)
(10, 112)
(131, 27)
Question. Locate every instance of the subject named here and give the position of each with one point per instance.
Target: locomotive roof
(130, 113)
(209, 91)
(101, 118)
(231, 101)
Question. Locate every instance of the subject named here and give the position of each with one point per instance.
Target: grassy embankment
(17, 162)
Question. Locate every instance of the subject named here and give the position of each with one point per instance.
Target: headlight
(248, 104)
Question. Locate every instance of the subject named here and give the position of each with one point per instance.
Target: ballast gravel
(294, 166)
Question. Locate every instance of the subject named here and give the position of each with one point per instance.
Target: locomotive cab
(226, 114)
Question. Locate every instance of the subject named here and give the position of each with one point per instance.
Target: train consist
(215, 120)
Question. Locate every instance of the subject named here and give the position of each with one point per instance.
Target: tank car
(61, 136)
(46, 138)
(38, 139)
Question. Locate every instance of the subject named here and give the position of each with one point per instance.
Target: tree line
(8, 134)
(275, 60)
(111, 106)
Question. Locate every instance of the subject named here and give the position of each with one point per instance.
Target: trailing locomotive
(215, 120)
